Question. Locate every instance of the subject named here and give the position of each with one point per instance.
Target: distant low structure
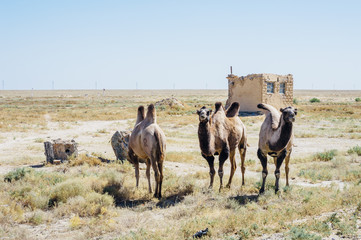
(250, 90)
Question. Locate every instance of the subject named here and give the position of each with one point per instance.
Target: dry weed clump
(85, 159)
(68, 189)
(92, 204)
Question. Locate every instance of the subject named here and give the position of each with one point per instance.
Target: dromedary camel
(275, 139)
(220, 134)
(147, 141)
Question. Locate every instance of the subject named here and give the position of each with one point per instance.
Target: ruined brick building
(273, 89)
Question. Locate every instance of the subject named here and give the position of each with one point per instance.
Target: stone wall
(251, 90)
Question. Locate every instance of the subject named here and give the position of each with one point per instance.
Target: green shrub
(297, 233)
(68, 189)
(313, 100)
(295, 101)
(358, 99)
(17, 174)
(36, 218)
(325, 156)
(92, 204)
(355, 149)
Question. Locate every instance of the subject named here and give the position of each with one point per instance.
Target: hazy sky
(177, 44)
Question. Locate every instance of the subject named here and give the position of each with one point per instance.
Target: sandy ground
(93, 139)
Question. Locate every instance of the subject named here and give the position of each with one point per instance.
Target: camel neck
(204, 135)
(285, 135)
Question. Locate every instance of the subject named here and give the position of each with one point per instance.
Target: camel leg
(287, 169)
(242, 151)
(233, 167)
(156, 176)
(160, 166)
(136, 167)
(212, 171)
(222, 158)
(148, 176)
(135, 161)
(263, 158)
(280, 159)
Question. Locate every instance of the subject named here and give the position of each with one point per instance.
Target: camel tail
(233, 110)
(159, 151)
(140, 115)
(151, 114)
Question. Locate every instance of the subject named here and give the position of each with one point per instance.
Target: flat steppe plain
(89, 199)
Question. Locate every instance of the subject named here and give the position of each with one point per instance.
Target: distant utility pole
(231, 70)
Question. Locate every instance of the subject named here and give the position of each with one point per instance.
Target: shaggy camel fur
(220, 134)
(275, 139)
(147, 141)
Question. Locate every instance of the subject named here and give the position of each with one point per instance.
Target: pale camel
(220, 134)
(276, 139)
(147, 141)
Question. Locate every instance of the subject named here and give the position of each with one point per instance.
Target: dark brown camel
(220, 134)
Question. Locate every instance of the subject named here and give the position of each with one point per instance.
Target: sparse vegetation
(301, 234)
(99, 199)
(355, 149)
(315, 100)
(358, 99)
(325, 156)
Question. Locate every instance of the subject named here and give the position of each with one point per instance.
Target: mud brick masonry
(250, 90)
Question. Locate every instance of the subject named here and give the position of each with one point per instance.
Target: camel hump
(140, 115)
(275, 115)
(218, 106)
(233, 110)
(151, 114)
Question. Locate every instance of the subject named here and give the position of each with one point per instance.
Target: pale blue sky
(181, 44)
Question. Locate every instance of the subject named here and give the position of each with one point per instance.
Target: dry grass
(99, 199)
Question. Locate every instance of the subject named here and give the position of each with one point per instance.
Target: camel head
(289, 114)
(204, 114)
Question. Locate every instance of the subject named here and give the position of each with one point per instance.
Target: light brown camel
(147, 141)
(220, 134)
(275, 139)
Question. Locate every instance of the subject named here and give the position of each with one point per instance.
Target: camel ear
(282, 109)
(198, 112)
(295, 111)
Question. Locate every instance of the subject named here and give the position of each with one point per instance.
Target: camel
(147, 142)
(276, 139)
(220, 134)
